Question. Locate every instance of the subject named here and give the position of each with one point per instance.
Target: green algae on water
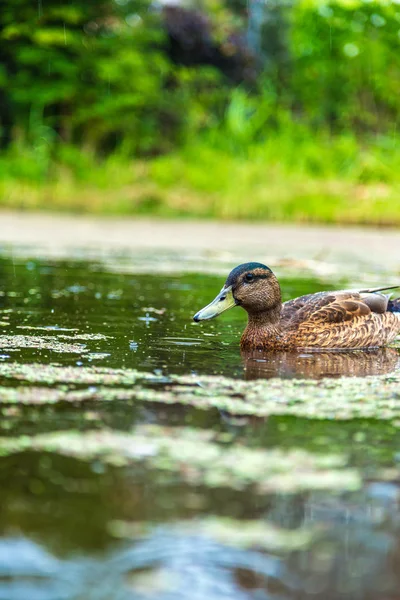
(49, 374)
(375, 397)
(17, 342)
(198, 458)
(230, 532)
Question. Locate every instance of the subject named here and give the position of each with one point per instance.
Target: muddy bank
(62, 235)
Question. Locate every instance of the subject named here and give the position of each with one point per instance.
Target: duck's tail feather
(380, 289)
(394, 305)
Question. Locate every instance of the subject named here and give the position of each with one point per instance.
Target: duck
(337, 320)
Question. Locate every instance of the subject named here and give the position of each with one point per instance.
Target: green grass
(299, 176)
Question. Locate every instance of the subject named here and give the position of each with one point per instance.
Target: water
(81, 527)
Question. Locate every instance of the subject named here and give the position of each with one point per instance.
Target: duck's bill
(224, 301)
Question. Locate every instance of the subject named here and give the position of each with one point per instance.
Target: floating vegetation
(46, 395)
(230, 532)
(16, 342)
(98, 355)
(198, 457)
(339, 399)
(46, 328)
(343, 398)
(86, 336)
(49, 374)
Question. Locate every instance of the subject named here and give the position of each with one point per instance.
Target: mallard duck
(343, 319)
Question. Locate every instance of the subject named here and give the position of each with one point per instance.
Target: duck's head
(251, 285)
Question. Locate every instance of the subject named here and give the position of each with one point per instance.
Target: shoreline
(59, 233)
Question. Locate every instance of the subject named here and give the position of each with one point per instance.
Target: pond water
(115, 486)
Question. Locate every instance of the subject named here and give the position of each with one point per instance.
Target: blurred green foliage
(346, 63)
(79, 72)
(88, 81)
(97, 73)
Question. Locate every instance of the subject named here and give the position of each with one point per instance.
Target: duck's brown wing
(337, 306)
(291, 308)
(345, 319)
(305, 307)
(334, 310)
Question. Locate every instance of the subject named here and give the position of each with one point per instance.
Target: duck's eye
(249, 277)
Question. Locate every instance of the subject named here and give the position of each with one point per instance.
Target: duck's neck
(263, 329)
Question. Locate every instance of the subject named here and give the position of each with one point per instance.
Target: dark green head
(250, 271)
(250, 285)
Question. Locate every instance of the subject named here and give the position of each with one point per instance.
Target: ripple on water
(180, 341)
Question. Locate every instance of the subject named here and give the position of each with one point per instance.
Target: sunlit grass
(297, 175)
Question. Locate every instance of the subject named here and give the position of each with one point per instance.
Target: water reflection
(316, 365)
(352, 556)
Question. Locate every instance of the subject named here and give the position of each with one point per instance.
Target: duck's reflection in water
(259, 364)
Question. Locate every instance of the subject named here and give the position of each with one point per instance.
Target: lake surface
(76, 523)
